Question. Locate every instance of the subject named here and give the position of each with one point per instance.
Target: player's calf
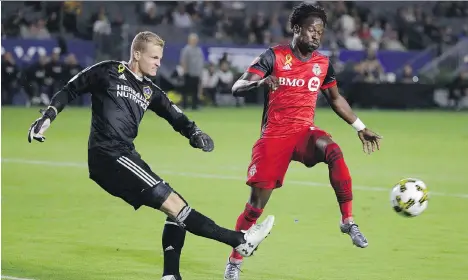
(173, 239)
(340, 179)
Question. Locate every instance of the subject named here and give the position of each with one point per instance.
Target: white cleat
(232, 271)
(254, 236)
(169, 277)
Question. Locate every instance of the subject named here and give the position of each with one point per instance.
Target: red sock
(245, 220)
(340, 179)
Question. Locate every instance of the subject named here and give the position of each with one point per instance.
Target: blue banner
(26, 51)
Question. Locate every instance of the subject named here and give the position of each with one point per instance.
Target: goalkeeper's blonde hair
(142, 39)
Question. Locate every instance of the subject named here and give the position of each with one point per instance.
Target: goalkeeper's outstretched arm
(81, 83)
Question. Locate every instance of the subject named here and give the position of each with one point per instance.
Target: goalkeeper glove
(201, 140)
(39, 126)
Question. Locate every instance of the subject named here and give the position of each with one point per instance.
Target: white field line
(215, 176)
(15, 278)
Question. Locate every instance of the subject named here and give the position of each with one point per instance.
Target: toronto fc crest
(252, 170)
(316, 70)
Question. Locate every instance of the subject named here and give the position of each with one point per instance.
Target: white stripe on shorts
(137, 170)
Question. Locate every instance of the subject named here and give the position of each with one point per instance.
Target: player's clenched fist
(201, 140)
(39, 126)
(270, 81)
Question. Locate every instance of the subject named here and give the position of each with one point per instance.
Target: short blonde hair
(142, 38)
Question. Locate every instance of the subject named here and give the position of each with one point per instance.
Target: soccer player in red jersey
(294, 74)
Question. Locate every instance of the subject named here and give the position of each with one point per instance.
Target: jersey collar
(135, 75)
(314, 53)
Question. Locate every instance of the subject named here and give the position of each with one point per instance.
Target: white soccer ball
(409, 197)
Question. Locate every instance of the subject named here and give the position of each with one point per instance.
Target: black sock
(173, 239)
(201, 225)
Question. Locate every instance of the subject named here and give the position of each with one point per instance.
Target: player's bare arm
(370, 140)
(250, 81)
(257, 75)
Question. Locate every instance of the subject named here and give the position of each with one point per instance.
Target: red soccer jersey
(291, 107)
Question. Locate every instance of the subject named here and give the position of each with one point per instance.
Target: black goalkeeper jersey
(119, 100)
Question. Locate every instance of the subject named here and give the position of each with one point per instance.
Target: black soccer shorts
(128, 177)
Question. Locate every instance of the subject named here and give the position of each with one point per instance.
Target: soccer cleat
(254, 236)
(232, 271)
(359, 240)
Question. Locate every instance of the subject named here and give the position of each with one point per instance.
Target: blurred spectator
(148, 5)
(408, 14)
(225, 28)
(371, 68)
(456, 9)
(258, 25)
(338, 66)
(102, 25)
(10, 78)
(458, 90)
(364, 33)
(150, 16)
(353, 42)
(348, 24)
(102, 30)
(36, 82)
(390, 39)
(35, 30)
(52, 10)
(252, 39)
(448, 38)
(71, 67)
(376, 31)
(225, 81)
(287, 31)
(181, 18)
(431, 29)
(192, 61)
(408, 76)
(225, 78)
(13, 23)
(71, 11)
(275, 28)
(464, 32)
(267, 39)
(55, 72)
(223, 58)
(209, 83)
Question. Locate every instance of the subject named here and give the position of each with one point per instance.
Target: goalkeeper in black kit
(121, 93)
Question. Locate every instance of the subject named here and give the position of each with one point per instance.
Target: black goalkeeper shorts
(128, 177)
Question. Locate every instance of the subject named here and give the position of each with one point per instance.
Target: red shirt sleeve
(330, 78)
(263, 65)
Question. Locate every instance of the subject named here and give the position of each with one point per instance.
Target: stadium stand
(371, 42)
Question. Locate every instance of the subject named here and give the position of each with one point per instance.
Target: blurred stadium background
(388, 54)
(402, 66)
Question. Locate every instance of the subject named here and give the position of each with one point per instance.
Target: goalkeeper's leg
(196, 223)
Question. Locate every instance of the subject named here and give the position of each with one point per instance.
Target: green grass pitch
(59, 225)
